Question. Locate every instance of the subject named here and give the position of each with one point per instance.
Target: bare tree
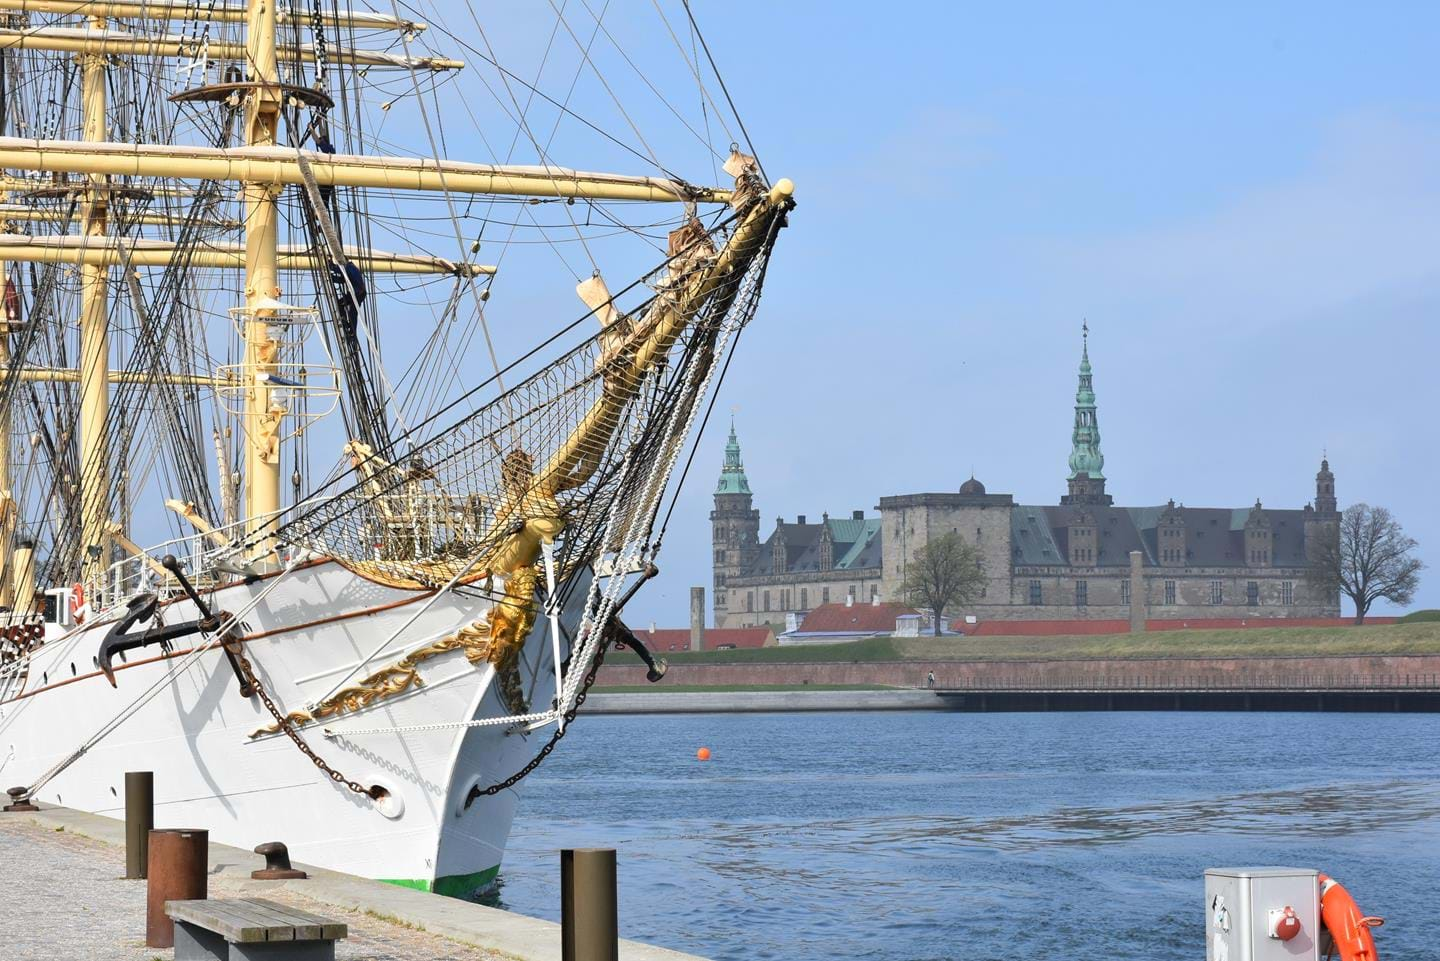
(1366, 557)
(943, 573)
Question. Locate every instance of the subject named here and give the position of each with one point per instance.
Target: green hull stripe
(452, 885)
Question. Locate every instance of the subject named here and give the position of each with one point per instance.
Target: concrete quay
(67, 897)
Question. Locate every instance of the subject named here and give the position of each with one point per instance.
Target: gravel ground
(66, 897)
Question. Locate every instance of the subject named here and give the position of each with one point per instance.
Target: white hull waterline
(307, 633)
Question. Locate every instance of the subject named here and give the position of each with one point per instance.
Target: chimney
(875, 600)
(800, 518)
(697, 618)
(652, 627)
(857, 515)
(849, 600)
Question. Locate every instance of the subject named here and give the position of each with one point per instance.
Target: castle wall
(797, 592)
(908, 522)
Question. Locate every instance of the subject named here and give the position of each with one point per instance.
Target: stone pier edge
(516, 935)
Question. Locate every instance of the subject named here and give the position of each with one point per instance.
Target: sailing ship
(364, 660)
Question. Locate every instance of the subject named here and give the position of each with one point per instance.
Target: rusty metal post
(139, 819)
(589, 911)
(178, 859)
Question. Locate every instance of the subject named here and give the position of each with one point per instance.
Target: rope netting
(571, 451)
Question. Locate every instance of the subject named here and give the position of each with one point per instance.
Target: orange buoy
(1348, 926)
(703, 754)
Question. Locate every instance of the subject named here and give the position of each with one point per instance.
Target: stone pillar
(1137, 593)
(697, 618)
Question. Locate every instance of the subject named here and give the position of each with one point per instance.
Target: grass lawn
(1418, 637)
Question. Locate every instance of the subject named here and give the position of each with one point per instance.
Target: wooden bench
(250, 929)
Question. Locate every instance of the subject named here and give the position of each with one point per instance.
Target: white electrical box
(1262, 914)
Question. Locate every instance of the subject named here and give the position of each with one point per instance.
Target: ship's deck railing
(407, 526)
(1171, 683)
(198, 554)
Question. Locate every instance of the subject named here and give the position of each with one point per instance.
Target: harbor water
(910, 836)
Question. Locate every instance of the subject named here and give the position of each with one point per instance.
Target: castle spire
(1325, 502)
(1087, 465)
(732, 475)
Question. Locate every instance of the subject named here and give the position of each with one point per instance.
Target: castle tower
(1086, 483)
(1325, 502)
(734, 526)
(1322, 520)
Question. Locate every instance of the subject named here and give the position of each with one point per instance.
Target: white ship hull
(308, 633)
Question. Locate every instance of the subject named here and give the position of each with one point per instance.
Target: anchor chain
(478, 792)
(285, 725)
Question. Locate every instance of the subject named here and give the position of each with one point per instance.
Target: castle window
(875, 592)
(1252, 593)
(749, 601)
(1217, 592)
(1287, 593)
(765, 599)
(1125, 591)
(1035, 595)
(824, 595)
(1169, 592)
(804, 598)
(1082, 594)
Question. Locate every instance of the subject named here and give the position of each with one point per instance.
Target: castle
(1081, 558)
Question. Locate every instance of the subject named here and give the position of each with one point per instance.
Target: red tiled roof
(860, 618)
(678, 639)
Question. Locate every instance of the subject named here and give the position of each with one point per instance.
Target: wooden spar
(188, 511)
(69, 375)
(24, 213)
(596, 427)
(111, 251)
(117, 43)
(32, 186)
(94, 337)
(218, 13)
(261, 418)
(261, 162)
(135, 550)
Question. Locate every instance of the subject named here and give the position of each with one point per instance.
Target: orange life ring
(1349, 927)
(77, 600)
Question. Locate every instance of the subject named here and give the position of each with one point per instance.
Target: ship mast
(265, 168)
(94, 332)
(262, 423)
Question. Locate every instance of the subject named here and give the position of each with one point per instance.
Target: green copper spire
(1085, 456)
(732, 475)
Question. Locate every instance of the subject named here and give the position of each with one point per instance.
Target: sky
(1243, 202)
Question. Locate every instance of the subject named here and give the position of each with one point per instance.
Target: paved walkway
(66, 897)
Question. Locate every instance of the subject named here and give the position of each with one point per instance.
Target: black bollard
(277, 863)
(139, 819)
(178, 864)
(20, 800)
(589, 911)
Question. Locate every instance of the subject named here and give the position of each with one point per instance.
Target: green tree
(1367, 557)
(946, 572)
